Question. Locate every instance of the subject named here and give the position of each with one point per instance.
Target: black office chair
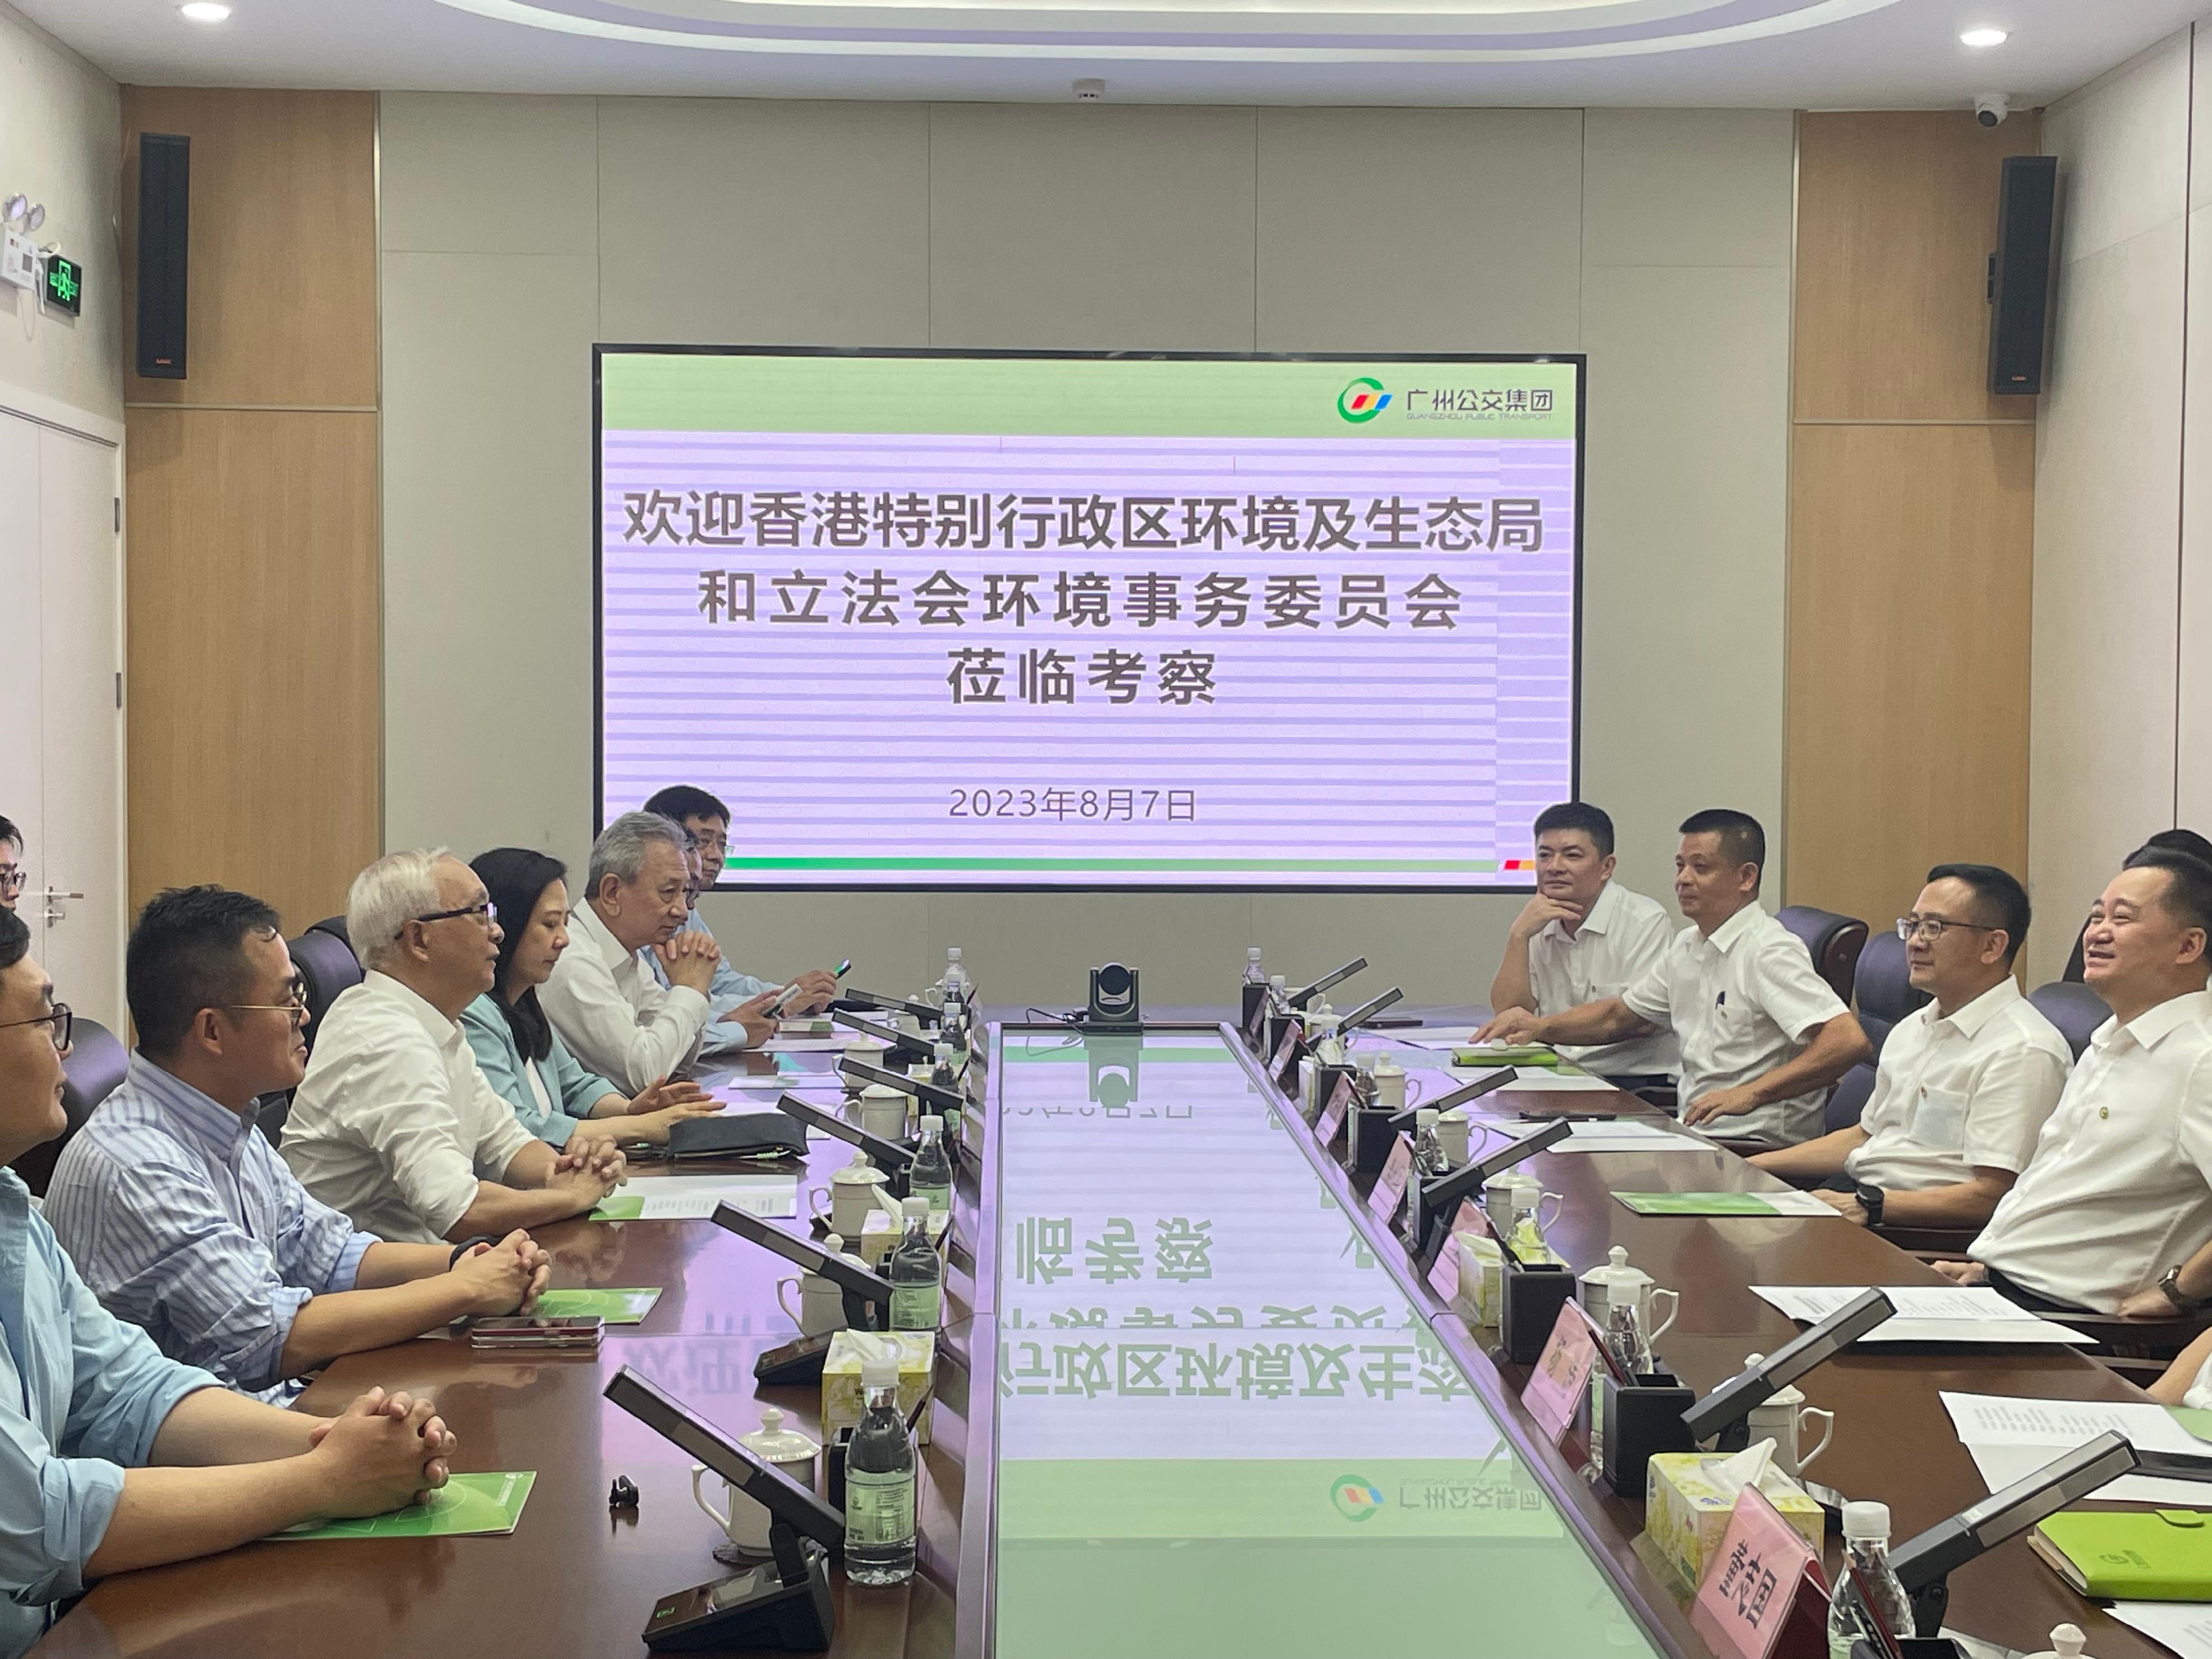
(2075, 1010)
(1833, 941)
(94, 1070)
(1848, 1099)
(325, 961)
(1885, 990)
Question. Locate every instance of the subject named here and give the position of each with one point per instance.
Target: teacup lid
(774, 1443)
(882, 1092)
(1616, 1274)
(859, 1170)
(1387, 1061)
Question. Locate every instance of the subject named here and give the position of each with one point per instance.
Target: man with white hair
(609, 1009)
(394, 1124)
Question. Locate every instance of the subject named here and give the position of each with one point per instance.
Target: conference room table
(576, 1577)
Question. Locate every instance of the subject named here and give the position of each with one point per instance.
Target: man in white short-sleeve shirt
(610, 1010)
(2114, 1211)
(1966, 1081)
(394, 1125)
(1762, 1035)
(1583, 937)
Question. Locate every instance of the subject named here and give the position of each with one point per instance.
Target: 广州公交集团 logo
(1355, 1498)
(1362, 400)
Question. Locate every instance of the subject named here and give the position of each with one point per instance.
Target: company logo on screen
(1471, 403)
(1361, 401)
(1356, 1498)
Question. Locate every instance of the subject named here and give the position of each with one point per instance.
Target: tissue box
(1481, 1277)
(843, 1402)
(1687, 1512)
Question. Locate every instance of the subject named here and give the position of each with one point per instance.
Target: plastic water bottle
(931, 1176)
(1429, 1161)
(916, 1271)
(1254, 974)
(1865, 1547)
(879, 1469)
(1279, 994)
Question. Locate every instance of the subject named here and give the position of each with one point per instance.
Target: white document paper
(1627, 1136)
(1925, 1313)
(686, 1198)
(1440, 1036)
(1540, 1079)
(1796, 1203)
(2184, 1626)
(2011, 1438)
(804, 1045)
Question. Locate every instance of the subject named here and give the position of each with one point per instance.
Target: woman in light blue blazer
(516, 1048)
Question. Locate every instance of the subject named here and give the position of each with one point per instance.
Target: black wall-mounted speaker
(165, 194)
(2020, 274)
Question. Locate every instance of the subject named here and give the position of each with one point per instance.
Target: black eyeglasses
(1934, 928)
(12, 880)
(486, 912)
(61, 1019)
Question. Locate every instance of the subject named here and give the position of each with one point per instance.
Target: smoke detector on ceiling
(1090, 92)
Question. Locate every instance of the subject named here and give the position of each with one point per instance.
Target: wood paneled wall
(251, 545)
(1912, 523)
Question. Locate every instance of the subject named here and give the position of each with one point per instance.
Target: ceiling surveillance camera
(1991, 108)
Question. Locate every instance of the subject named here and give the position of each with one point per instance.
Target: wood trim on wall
(254, 569)
(1912, 513)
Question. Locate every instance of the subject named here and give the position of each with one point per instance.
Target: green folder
(2197, 1422)
(1698, 1204)
(465, 1505)
(1521, 1054)
(615, 1307)
(2131, 1555)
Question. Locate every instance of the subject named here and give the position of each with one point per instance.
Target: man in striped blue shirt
(181, 1217)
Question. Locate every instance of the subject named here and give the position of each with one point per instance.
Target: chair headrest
(1884, 984)
(2075, 1009)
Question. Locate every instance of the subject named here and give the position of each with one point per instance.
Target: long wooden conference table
(1200, 1339)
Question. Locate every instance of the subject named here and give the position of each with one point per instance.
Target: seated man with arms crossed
(602, 1001)
(1584, 938)
(1763, 1036)
(2113, 1213)
(179, 1215)
(1965, 1082)
(112, 1456)
(395, 1125)
(736, 1004)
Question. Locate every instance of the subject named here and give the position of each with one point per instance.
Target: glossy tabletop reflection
(1221, 1426)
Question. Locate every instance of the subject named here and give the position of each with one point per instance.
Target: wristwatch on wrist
(1871, 1199)
(2169, 1288)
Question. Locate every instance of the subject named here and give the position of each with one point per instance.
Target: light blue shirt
(569, 1089)
(82, 1397)
(183, 1219)
(730, 988)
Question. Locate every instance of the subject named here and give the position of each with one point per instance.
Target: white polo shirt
(2120, 1187)
(1620, 940)
(615, 1017)
(1967, 1091)
(1742, 1002)
(394, 1124)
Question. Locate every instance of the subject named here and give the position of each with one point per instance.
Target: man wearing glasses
(1965, 1082)
(181, 1217)
(737, 1003)
(394, 1125)
(88, 1407)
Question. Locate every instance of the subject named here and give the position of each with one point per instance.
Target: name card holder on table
(1632, 1421)
(1762, 1596)
(1282, 1065)
(1388, 1191)
(1533, 1294)
(1560, 1379)
(1443, 1278)
(1331, 1121)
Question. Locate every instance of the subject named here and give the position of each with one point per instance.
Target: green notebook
(1516, 1055)
(615, 1307)
(466, 1503)
(1722, 1204)
(2131, 1555)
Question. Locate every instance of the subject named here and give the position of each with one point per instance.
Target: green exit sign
(64, 284)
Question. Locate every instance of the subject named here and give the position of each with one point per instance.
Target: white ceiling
(1816, 54)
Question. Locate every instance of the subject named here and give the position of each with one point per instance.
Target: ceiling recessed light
(205, 11)
(1971, 37)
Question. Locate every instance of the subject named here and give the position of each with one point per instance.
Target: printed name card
(1285, 1051)
(1443, 1278)
(1555, 1388)
(1754, 1602)
(1388, 1191)
(1332, 1115)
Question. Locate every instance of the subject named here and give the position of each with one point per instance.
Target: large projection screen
(948, 620)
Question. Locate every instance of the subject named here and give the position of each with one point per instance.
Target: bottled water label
(878, 1508)
(915, 1308)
